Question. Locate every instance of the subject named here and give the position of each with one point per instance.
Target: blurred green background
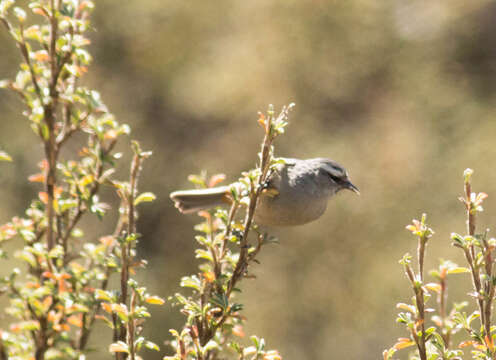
(402, 93)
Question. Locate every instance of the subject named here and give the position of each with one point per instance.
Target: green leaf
(44, 131)
(102, 295)
(121, 311)
(27, 235)
(151, 345)
(145, 197)
(211, 345)
(203, 254)
(458, 270)
(236, 347)
(220, 300)
(56, 252)
(67, 204)
(141, 312)
(236, 307)
(4, 156)
(29, 325)
(191, 282)
(27, 257)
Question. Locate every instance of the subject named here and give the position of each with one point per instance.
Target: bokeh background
(402, 93)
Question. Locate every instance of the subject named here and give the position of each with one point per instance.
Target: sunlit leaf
(458, 270)
(119, 346)
(464, 344)
(4, 156)
(403, 343)
(144, 197)
(155, 300)
(75, 320)
(20, 14)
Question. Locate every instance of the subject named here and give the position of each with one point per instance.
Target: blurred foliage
(400, 92)
(442, 330)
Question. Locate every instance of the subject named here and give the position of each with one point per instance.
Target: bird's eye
(334, 178)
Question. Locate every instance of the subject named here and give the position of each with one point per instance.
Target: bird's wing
(272, 186)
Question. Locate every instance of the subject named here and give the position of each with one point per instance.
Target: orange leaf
(464, 344)
(32, 285)
(43, 164)
(63, 286)
(216, 179)
(43, 197)
(83, 5)
(204, 214)
(209, 276)
(63, 276)
(39, 11)
(238, 331)
(403, 343)
(107, 240)
(119, 308)
(155, 300)
(82, 69)
(434, 287)
(110, 135)
(489, 343)
(41, 56)
(75, 320)
(54, 317)
(47, 302)
(261, 120)
(48, 274)
(37, 178)
(57, 191)
(107, 307)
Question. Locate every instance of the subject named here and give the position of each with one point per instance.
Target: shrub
(64, 283)
(433, 336)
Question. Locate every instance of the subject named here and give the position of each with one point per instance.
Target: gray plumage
(298, 193)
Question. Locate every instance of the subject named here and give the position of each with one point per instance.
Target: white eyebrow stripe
(335, 170)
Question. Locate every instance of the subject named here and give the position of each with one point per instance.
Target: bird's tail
(189, 201)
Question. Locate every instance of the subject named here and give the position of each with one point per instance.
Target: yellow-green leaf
(145, 197)
(458, 270)
(4, 156)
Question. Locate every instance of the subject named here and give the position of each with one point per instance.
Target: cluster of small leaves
(61, 287)
(436, 341)
(214, 318)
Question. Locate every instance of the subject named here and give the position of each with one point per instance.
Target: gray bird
(295, 194)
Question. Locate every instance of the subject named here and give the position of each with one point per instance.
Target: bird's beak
(348, 185)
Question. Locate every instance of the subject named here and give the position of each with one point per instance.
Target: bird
(296, 193)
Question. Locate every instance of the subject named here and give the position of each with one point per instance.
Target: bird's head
(337, 175)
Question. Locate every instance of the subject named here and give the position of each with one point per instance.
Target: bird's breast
(289, 211)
